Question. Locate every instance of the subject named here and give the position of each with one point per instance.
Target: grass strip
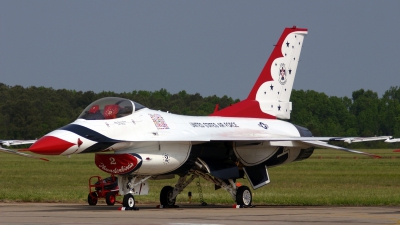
(329, 178)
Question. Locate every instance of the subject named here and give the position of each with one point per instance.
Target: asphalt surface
(58, 213)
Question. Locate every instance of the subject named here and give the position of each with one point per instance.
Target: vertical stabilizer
(270, 95)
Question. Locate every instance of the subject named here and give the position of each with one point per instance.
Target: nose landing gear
(128, 188)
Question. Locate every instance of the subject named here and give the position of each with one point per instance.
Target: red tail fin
(269, 97)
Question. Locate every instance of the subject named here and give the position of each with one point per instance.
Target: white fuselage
(164, 140)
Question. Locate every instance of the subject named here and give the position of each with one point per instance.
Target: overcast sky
(206, 47)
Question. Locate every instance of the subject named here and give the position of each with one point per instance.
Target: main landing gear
(241, 195)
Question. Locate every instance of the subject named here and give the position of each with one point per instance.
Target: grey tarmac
(190, 214)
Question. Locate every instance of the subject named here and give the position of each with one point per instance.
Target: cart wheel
(166, 193)
(129, 201)
(92, 198)
(110, 198)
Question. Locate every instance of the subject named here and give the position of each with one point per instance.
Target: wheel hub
(246, 197)
(131, 202)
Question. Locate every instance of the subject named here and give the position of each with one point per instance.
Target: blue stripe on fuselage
(88, 133)
(103, 142)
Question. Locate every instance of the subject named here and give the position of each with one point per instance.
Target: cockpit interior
(110, 108)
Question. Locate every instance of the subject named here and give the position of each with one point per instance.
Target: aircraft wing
(322, 144)
(319, 142)
(248, 135)
(393, 140)
(16, 142)
(362, 139)
(5, 150)
(344, 139)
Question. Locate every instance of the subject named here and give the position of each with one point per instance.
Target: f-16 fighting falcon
(243, 140)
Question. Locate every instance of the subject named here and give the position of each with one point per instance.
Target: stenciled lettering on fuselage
(166, 158)
(120, 123)
(213, 125)
(159, 121)
(263, 125)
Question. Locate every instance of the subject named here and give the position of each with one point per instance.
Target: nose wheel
(129, 201)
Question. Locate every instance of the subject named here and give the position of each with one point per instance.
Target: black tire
(165, 193)
(243, 196)
(129, 201)
(92, 198)
(110, 198)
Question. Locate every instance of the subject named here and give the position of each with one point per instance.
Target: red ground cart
(103, 188)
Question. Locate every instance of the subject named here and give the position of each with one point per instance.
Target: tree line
(29, 113)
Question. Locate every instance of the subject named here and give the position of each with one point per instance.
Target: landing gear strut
(132, 185)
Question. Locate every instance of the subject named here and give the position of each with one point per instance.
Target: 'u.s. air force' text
(215, 125)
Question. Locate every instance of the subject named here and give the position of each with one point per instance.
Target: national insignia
(282, 74)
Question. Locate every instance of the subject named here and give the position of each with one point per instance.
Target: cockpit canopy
(110, 108)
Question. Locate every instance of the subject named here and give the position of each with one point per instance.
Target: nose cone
(49, 145)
